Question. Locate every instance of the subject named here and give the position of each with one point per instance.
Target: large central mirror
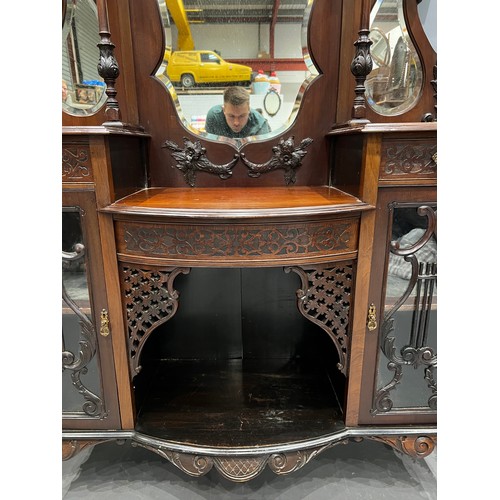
(236, 69)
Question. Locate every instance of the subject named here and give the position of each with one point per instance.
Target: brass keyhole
(371, 322)
(104, 323)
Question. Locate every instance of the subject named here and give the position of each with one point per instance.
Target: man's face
(236, 116)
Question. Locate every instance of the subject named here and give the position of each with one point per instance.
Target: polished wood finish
(371, 161)
(104, 191)
(209, 365)
(238, 202)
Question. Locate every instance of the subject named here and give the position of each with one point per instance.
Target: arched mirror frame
(425, 109)
(184, 101)
(318, 107)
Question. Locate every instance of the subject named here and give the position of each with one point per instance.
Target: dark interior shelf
(237, 403)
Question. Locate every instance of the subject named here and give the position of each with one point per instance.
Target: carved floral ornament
(192, 158)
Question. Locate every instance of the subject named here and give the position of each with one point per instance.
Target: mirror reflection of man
(64, 91)
(235, 118)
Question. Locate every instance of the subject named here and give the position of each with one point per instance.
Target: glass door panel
(406, 375)
(81, 389)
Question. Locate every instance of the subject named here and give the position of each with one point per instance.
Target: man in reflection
(64, 91)
(235, 118)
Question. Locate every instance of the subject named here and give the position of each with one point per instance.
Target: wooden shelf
(238, 202)
(237, 403)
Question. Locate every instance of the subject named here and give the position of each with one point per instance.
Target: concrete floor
(366, 470)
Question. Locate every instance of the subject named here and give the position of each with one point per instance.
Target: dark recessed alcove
(239, 364)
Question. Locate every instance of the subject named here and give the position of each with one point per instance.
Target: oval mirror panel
(216, 46)
(395, 83)
(83, 90)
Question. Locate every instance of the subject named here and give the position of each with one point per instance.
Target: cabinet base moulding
(244, 464)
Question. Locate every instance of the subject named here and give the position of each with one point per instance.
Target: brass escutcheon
(104, 323)
(372, 318)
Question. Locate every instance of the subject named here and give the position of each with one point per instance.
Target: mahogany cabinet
(252, 303)
(399, 374)
(89, 387)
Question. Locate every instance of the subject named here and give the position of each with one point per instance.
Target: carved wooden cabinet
(90, 311)
(89, 387)
(402, 340)
(242, 311)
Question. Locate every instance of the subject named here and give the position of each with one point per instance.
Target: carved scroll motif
(415, 352)
(238, 469)
(414, 446)
(76, 163)
(93, 405)
(192, 159)
(403, 159)
(149, 300)
(325, 299)
(286, 156)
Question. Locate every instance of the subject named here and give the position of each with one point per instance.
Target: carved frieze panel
(217, 242)
(410, 159)
(76, 163)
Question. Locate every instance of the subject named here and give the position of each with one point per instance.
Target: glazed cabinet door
(400, 373)
(89, 391)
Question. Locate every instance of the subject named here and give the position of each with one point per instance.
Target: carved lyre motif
(192, 159)
(93, 406)
(286, 156)
(416, 351)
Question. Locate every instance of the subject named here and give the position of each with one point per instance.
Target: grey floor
(366, 470)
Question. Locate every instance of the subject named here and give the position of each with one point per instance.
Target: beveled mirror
(83, 90)
(214, 44)
(395, 83)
